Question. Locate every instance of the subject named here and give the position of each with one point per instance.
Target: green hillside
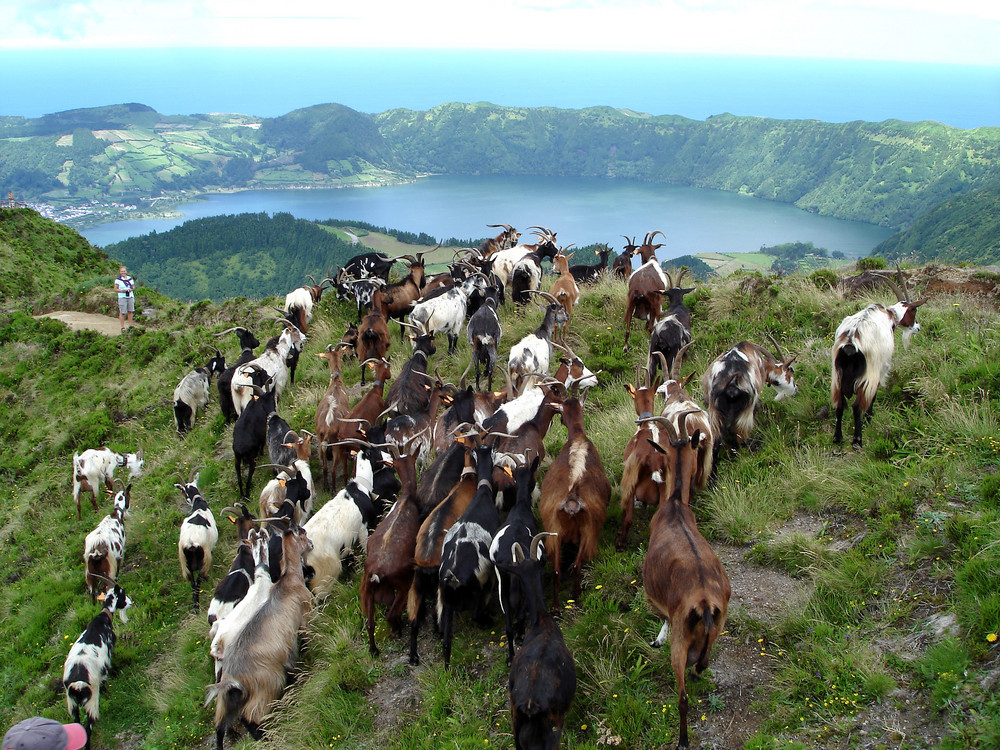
(964, 229)
(884, 173)
(865, 609)
(249, 255)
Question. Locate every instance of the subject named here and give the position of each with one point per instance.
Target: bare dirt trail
(79, 321)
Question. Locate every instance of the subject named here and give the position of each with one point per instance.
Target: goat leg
(447, 633)
(858, 421)
(838, 434)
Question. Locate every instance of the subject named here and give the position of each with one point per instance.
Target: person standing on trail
(125, 286)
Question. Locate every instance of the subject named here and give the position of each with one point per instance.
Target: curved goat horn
(777, 349)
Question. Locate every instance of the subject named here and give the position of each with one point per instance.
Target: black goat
(484, 333)
(590, 274)
(672, 332)
(542, 679)
(250, 435)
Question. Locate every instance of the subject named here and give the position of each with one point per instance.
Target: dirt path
(79, 321)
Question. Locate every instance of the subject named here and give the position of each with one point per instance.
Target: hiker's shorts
(126, 304)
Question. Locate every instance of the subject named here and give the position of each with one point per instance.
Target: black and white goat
(197, 538)
(733, 385)
(862, 354)
(231, 622)
(104, 547)
(231, 589)
(526, 273)
(89, 661)
(192, 394)
(338, 528)
(96, 466)
(672, 332)
(466, 569)
(530, 356)
(224, 383)
(520, 527)
(368, 266)
(445, 313)
(484, 332)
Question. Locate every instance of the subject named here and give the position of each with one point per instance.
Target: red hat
(44, 734)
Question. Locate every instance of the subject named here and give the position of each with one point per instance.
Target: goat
(621, 266)
(542, 679)
(531, 354)
(228, 626)
(373, 339)
(409, 392)
(388, 572)
(466, 570)
(256, 663)
(273, 360)
(403, 294)
(484, 332)
(862, 354)
(564, 289)
(575, 495)
(197, 537)
(104, 547)
(733, 384)
(643, 468)
(89, 661)
(332, 407)
(430, 540)
(224, 383)
(360, 290)
(340, 526)
(506, 239)
(192, 393)
(96, 466)
(231, 589)
(646, 287)
(299, 303)
(647, 249)
(278, 491)
(672, 332)
(572, 371)
(445, 313)
(414, 429)
(685, 584)
(365, 413)
(502, 262)
(369, 265)
(279, 450)
(520, 527)
(250, 435)
(677, 401)
(591, 274)
(526, 273)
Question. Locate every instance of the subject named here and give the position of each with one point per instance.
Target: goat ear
(232, 519)
(656, 445)
(631, 389)
(695, 439)
(281, 482)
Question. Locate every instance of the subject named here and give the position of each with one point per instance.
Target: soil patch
(80, 321)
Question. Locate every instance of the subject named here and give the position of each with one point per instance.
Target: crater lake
(580, 210)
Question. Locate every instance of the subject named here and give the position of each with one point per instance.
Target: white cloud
(963, 31)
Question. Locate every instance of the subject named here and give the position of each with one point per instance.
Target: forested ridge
(884, 173)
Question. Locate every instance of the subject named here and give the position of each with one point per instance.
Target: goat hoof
(654, 644)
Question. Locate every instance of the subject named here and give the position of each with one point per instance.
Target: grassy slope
(878, 542)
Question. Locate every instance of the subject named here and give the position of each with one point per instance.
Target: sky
(956, 31)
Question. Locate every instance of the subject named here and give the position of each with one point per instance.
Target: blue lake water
(580, 211)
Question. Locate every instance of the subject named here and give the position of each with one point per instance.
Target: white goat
(96, 466)
(445, 313)
(272, 361)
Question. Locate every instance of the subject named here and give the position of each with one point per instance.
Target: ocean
(273, 82)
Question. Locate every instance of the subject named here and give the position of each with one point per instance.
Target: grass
(905, 531)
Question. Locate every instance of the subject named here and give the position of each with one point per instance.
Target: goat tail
(230, 697)
(196, 590)
(78, 695)
(182, 416)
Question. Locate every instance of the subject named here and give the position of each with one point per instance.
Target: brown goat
(564, 289)
(332, 407)
(256, 664)
(364, 413)
(575, 495)
(646, 288)
(643, 469)
(686, 585)
(388, 574)
(404, 293)
(373, 338)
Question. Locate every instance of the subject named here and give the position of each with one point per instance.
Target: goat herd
(438, 539)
